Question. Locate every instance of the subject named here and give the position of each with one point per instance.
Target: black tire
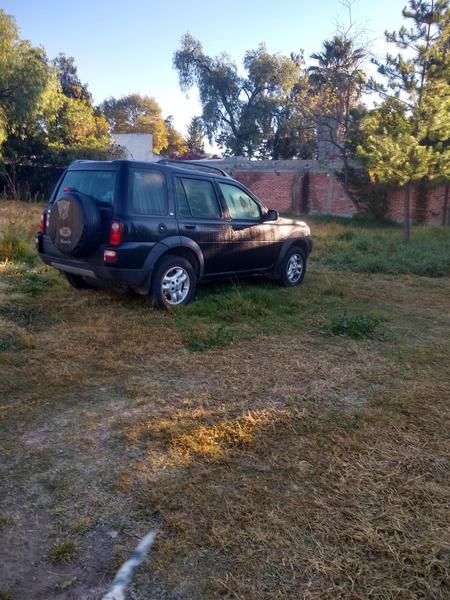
(168, 269)
(292, 277)
(75, 224)
(77, 282)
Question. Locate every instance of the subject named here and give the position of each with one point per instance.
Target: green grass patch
(225, 312)
(374, 250)
(6, 343)
(63, 551)
(29, 317)
(354, 221)
(356, 326)
(6, 521)
(13, 247)
(30, 279)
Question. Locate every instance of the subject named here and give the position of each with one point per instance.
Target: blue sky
(123, 47)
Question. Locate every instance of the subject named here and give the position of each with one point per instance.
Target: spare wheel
(75, 224)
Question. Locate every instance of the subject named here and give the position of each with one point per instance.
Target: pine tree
(407, 136)
(195, 135)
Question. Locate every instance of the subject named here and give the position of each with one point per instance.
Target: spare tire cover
(75, 224)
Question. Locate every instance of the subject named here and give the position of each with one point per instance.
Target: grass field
(287, 443)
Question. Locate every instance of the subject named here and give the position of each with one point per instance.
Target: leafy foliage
(71, 85)
(142, 114)
(24, 75)
(139, 114)
(46, 113)
(242, 114)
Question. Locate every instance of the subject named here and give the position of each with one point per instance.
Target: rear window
(99, 185)
(197, 198)
(148, 193)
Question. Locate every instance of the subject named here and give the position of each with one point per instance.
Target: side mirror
(271, 215)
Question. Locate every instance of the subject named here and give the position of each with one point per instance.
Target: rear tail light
(116, 233)
(43, 222)
(110, 256)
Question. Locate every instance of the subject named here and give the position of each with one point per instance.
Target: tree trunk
(406, 213)
(445, 208)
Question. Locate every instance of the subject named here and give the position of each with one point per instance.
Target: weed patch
(30, 279)
(63, 551)
(371, 250)
(15, 248)
(198, 338)
(224, 313)
(29, 317)
(358, 327)
(6, 343)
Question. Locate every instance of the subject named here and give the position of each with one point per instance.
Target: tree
(339, 81)
(46, 114)
(176, 146)
(195, 136)
(71, 85)
(240, 113)
(407, 136)
(24, 75)
(140, 114)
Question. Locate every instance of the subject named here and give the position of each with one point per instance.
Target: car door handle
(190, 226)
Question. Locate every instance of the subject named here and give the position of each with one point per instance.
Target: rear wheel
(293, 267)
(174, 282)
(77, 282)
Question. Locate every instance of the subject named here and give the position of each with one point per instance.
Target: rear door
(200, 217)
(149, 215)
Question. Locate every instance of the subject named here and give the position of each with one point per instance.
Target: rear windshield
(96, 184)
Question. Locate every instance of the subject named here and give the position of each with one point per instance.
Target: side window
(197, 198)
(183, 209)
(147, 192)
(240, 205)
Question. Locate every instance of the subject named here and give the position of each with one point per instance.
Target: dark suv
(159, 228)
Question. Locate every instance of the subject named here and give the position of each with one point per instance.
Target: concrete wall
(139, 146)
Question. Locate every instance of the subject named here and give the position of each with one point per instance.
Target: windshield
(96, 184)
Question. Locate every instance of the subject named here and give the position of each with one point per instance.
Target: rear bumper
(110, 275)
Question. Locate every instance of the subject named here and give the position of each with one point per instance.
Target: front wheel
(293, 267)
(174, 282)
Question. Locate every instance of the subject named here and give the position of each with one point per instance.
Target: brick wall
(328, 196)
(425, 208)
(274, 189)
(283, 190)
(279, 185)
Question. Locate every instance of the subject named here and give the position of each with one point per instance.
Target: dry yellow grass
(286, 464)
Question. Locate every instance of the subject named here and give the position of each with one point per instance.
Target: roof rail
(190, 163)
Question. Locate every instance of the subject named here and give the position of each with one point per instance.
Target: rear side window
(148, 192)
(99, 185)
(197, 198)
